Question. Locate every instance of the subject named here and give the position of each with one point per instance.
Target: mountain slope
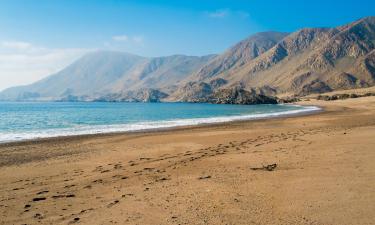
(104, 72)
(87, 75)
(311, 60)
(162, 72)
(240, 54)
(232, 59)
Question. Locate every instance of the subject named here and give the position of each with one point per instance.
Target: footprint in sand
(39, 199)
(113, 203)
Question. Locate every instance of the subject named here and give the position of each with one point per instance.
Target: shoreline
(246, 118)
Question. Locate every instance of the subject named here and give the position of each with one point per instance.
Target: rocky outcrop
(235, 96)
(343, 96)
(239, 96)
(192, 92)
(143, 95)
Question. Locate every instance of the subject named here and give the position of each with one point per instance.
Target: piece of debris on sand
(270, 167)
(204, 177)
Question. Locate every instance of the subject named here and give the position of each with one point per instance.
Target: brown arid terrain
(308, 61)
(218, 174)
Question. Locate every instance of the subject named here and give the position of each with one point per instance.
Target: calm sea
(31, 120)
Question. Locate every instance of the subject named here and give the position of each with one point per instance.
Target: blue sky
(59, 31)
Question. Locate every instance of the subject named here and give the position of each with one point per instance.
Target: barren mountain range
(310, 60)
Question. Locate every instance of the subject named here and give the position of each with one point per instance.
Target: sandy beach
(324, 174)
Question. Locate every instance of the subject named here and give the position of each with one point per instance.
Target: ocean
(33, 120)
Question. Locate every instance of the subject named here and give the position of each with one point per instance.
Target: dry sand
(325, 173)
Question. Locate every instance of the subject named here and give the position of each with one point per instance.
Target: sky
(40, 37)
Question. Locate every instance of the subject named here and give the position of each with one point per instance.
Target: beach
(305, 169)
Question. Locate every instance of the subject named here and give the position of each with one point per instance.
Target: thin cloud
(18, 45)
(135, 39)
(120, 38)
(124, 42)
(219, 13)
(224, 13)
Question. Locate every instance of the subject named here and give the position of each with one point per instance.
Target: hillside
(235, 57)
(311, 60)
(103, 73)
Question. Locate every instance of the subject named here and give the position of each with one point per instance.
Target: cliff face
(311, 60)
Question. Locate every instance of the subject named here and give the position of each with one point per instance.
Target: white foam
(101, 129)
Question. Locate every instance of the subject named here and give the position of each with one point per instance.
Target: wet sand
(325, 173)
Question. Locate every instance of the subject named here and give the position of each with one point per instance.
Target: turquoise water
(21, 121)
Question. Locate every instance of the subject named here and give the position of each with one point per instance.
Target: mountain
(240, 54)
(310, 60)
(235, 57)
(104, 73)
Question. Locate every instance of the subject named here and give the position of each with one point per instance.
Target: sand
(325, 173)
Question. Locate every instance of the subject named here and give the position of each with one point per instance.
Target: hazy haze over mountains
(311, 60)
(104, 72)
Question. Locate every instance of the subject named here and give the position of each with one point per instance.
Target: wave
(142, 126)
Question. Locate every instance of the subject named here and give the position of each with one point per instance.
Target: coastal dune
(307, 169)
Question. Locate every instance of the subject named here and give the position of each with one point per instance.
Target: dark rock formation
(235, 96)
(143, 95)
(342, 96)
(239, 96)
